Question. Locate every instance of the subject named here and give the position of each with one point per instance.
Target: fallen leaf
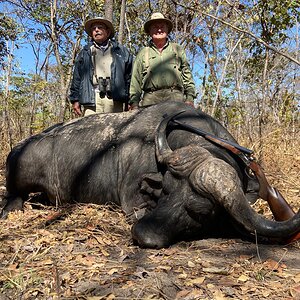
(98, 239)
(295, 292)
(273, 265)
(165, 268)
(266, 293)
(187, 294)
(284, 274)
(215, 270)
(98, 297)
(227, 282)
(107, 241)
(13, 266)
(206, 264)
(245, 257)
(128, 284)
(104, 252)
(197, 281)
(182, 294)
(218, 295)
(244, 288)
(112, 271)
(170, 251)
(182, 276)
(122, 258)
(243, 278)
(47, 262)
(191, 264)
(296, 278)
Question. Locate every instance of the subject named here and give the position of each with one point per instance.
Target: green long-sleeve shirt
(154, 70)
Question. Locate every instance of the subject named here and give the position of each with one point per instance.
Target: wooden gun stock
(280, 208)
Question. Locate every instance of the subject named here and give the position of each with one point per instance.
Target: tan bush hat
(88, 25)
(156, 17)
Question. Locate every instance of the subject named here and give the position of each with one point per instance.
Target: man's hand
(189, 100)
(133, 106)
(190, 103)
(76, 108)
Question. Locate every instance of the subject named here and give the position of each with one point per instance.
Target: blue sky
(23, 56)
(25, 59)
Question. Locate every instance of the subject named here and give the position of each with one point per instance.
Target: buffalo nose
(145, 237)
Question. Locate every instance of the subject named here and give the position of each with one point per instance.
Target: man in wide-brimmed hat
(161, 71)
(102, 72)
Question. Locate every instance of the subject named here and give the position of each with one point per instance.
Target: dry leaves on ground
(87, 253)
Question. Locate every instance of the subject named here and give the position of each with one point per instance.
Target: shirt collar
(103, 47)
(151, 44)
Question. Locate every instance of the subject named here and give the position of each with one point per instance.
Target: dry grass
(86, 252)
(281, 162)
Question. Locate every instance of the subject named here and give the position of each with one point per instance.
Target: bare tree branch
(261, 41)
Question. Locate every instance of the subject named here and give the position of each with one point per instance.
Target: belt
(172, 88)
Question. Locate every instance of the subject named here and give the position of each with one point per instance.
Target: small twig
(15, 255)
(256, 244)
(277, 264)
(56, 279)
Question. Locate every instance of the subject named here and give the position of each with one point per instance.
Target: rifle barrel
(212, 137)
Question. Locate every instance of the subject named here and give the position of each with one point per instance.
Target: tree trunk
(109, 8)
(6, 115)
(261, 105)
(122, 22)
(223, 73)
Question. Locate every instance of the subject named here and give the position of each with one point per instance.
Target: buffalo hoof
(12, 204)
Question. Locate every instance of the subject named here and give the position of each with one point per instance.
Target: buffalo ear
(199, 206)
(152, 184)
(252, 190)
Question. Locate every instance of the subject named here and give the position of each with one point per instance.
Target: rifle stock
(280, 208)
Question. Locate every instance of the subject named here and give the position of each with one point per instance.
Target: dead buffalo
(187, 187)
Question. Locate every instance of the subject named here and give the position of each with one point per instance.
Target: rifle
(279, 206)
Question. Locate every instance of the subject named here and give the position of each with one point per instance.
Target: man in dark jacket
(102, 72)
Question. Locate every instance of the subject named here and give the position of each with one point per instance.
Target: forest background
(244, 56)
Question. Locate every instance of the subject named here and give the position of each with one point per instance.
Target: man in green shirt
(161, 71)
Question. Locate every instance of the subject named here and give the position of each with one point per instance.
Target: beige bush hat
(88, 25)
(155, 18)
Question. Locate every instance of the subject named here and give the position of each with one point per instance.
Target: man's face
(100, 33)
(159, 30)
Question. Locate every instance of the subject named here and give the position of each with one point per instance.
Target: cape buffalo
(188, 187)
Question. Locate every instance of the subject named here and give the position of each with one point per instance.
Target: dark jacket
(82, 89)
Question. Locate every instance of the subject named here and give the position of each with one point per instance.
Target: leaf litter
(89, 254)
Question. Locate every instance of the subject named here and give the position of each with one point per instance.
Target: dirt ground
(86, 252)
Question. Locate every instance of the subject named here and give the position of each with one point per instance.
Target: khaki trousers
(103, 105)
(150, 98)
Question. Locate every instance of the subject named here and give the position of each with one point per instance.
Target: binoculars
(104, 87)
